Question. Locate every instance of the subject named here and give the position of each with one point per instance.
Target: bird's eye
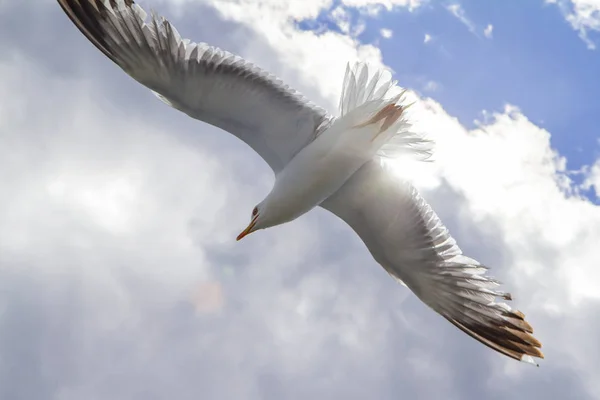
(255, 211)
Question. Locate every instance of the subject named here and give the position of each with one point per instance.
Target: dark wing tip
(514, 340)
(87, 16)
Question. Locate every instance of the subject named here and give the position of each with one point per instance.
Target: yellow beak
(248, 230)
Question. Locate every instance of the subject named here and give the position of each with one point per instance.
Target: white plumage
(318, 159)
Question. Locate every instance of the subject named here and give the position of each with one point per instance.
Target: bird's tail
(367, 98)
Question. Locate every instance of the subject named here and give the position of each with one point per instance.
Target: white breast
(320, 169)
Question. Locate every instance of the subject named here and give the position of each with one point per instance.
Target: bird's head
(255, 223)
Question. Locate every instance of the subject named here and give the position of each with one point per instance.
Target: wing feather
(406, 237)
(202, 81)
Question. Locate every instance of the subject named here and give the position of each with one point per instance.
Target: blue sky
(119, 213)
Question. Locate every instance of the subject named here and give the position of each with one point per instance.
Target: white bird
(318, 160)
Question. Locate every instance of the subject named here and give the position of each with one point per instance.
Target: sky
(120, 276)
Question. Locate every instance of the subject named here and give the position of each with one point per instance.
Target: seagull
(319, 159)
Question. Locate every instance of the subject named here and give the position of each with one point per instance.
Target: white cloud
(342, 18)
(583, 15)
(386, 33)
(427, 38)
(236, 9)
(487, 32)
(592, 178)
(121, 214)
(120, 208)
(457, 10)
(299, 9)
(519, 183)
(387, 5)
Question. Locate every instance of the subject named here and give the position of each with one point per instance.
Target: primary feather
(203, 81)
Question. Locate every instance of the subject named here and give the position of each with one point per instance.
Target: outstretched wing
(407, 238)
(204, 82)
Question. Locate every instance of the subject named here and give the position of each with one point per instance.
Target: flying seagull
(318, 160)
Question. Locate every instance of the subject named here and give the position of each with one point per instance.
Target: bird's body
(326, 163)
(318, 159)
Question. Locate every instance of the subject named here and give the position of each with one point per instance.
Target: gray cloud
(115, 209)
